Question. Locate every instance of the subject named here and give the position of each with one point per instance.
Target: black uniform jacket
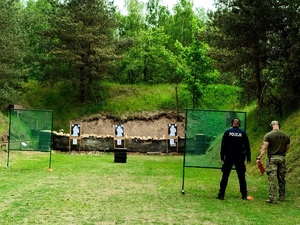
(235, 144)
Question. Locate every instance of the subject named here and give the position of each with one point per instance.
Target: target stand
(172, 138)
(120, 150)
(75, 135)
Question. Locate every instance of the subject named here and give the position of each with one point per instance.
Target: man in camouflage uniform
(277, 143)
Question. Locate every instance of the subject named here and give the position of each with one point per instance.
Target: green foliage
(256, 42)
(11, 52)
(148, 60)
(197, 70)
(132, 23)
(156, 15)
(34, 23)
(81, 44)
(151, 55)
(183, 23)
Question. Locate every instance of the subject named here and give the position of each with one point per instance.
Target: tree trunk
(82, 85)
(176, 100)
(257, 73)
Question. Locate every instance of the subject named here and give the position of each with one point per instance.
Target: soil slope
(154, 125)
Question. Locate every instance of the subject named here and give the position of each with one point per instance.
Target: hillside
(291, 126)
(121, 100)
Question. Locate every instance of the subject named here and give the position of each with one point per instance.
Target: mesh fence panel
(204, 131)
(30, 130)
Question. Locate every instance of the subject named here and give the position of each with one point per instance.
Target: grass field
(92, 189)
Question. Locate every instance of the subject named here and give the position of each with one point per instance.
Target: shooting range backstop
(30, 130)
(203, 135)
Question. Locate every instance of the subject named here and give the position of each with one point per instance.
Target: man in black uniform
(235, 148)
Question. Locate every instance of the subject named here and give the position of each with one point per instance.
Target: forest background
(77, 48)
(74, 56)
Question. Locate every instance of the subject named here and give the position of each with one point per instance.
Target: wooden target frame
(75, 135)
(119, 136)
(170, 137)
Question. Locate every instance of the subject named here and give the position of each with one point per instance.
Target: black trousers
(240, 170)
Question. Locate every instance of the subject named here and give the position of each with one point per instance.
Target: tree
(34, 24)
(196, 69)
(154, 57)
(193, 64)
(11, 52)
(283, 71)
(128, 34)
(252, 40)
(146, 59)
(82, 46)
(157, 15)
(134, 21)
(180, 28)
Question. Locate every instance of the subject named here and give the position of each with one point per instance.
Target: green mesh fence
(30, 130)
(204, 131)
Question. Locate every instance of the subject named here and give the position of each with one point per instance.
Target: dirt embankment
(154, 125)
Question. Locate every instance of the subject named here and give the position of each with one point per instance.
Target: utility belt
(276, 156)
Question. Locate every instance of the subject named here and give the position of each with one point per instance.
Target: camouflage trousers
(276, 170)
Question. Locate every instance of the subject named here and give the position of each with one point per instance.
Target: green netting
(30, 130)
(204, 131)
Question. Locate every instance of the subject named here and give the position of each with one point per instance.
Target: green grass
(125, 99)
(92, 189)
